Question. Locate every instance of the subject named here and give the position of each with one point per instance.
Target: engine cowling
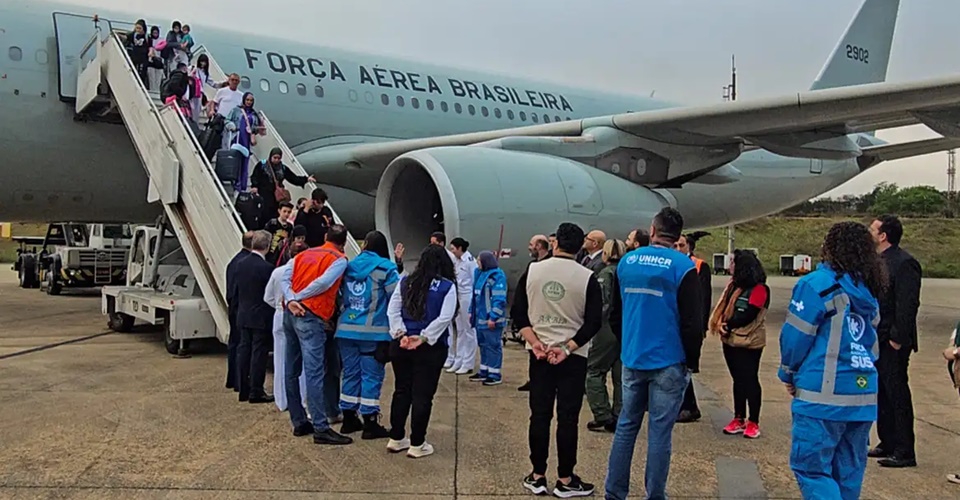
(499, 199)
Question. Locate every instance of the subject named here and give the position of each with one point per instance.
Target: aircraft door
(73, 32)
(583, 197)
(816, 166)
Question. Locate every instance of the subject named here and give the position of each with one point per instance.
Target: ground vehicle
(160, 289)
(74, 255)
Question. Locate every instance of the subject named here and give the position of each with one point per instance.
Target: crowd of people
(586, 307)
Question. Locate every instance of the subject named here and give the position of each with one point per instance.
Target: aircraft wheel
(28, 271)
(54, 287)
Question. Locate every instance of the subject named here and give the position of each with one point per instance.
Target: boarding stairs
(197, 207)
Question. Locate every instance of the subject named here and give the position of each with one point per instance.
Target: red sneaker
(752, 431)
(736, 426)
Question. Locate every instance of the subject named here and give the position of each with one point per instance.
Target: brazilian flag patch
(862, 382)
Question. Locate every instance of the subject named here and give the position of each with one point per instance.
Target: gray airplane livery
(408, 148)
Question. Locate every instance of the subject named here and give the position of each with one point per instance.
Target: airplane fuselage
(317, 98)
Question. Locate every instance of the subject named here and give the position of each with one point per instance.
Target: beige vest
(557, 297)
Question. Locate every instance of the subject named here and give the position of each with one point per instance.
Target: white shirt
(436, 327)
(465, 267)
(273, 295)
(227, 99)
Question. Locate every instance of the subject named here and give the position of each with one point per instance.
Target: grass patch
(932, 241)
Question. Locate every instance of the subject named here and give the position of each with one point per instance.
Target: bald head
(539, 246)
(594, 241)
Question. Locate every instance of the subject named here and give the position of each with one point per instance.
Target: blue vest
(367, 285)
(438, 292)
(649, 279)
(489, 298)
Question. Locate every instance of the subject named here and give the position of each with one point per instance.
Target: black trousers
(252, 355)
(416, 376)
(562, 385)
(744, 366)
(233, 343)
(689, 399)
(894, 402)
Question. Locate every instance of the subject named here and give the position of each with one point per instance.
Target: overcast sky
(678, 48)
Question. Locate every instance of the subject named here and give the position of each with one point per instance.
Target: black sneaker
(525, 387)
(303, 429)
(602, 426)
(575, 488)
(536, 486)
(476, 377)
(330, 437)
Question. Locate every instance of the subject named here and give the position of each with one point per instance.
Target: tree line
(886, 197)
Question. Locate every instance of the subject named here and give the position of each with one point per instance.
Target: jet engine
(498, 199)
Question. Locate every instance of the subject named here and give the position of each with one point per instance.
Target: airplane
(403, 145)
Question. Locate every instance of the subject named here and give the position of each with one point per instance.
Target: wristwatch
(565, 349)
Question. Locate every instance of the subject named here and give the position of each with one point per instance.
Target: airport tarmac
(85, 413)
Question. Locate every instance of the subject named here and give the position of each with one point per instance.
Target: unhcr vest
(436, 295)
(557, 297)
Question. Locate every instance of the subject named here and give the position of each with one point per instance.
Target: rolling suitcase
(228, 164)
(248, 207)
(211, 137)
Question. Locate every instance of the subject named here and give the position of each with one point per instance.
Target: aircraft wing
(888, 152)
(807, 124)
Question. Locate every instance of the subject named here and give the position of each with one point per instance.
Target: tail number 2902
(858, 54)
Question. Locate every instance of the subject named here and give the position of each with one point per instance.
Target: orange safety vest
(698, 262)
(310, 265)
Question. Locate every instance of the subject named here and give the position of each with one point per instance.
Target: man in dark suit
(255, 319)
(897, 335)
(591, 255)
(232, 307)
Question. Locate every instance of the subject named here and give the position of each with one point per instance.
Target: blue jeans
(306, 341)
(829, 457)
(362, 376)
(659, 392)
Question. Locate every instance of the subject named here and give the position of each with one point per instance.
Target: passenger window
(546, 119)
(400, 101)
(41, 56)
(523, 116)
(301, 89)
(415, 103)
(535, 117)
(556, 118)
(430, 104)
(318, 91)
(244, 82)
(282, 86)
(264, 85)
(353, 95)
(472, 109)
(15, 53)
(458, 108)
(497, 113)
(484, 111)
(568, 118)
(368, 96)
(444, 107)
(510, 114)
(385, 99)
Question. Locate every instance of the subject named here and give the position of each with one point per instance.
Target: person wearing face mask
(687, 244)
(488, 315)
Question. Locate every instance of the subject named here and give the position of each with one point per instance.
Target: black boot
(351, 422)
(372, 428)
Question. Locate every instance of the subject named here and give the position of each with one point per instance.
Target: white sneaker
(425, 449)
(464, 371)
(447, 365)
(453, 369)
(394, 446)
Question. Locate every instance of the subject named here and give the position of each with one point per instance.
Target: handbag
(281, 193)
(253, 137)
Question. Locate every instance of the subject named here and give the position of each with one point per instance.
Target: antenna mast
(951, 174)
(730, 91)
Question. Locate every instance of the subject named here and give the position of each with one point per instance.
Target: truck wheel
(54, 287)
(120, 322)
(172, 344)
(28, 271)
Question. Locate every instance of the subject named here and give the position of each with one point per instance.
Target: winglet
(863, 54)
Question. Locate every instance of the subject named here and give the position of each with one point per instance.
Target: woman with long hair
(827, 358)
(739, 321)
(244, 125)
(420, 312)
(363, 334)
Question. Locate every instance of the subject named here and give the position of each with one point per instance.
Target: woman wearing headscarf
(420, 311)
(274, 296)
(139, 48)
(488, 316)
(270, 174)
(738, 319)
(173, 53)
(604, 354)
(363, 335)
(243, 122)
